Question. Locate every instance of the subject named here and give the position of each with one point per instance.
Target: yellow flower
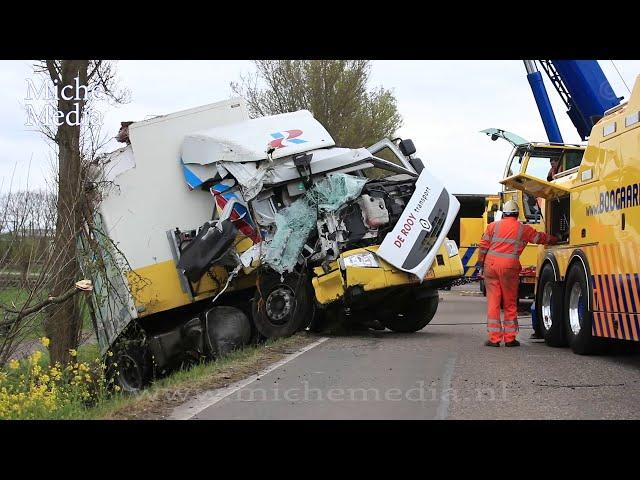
(56, 374)
(44, 341)
(14, 364)
(73, 352)
(36, 356)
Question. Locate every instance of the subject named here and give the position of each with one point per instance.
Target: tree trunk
(63, 321)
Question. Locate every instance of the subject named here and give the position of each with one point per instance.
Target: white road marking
(207, 399)
(443, 408)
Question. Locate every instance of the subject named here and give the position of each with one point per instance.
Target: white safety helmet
(510, 208)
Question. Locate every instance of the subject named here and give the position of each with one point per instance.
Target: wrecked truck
(219, 230)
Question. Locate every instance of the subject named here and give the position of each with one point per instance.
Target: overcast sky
(444, 104)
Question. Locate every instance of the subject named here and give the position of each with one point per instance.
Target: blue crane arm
(543, 103)
(584, 89)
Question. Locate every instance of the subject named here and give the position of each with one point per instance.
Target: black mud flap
(208, 246)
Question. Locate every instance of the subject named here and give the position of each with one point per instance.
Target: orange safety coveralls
(499, 256)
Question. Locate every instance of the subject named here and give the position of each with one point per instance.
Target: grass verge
(159, 400)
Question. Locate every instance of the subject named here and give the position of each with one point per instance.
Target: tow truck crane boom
(583, 87)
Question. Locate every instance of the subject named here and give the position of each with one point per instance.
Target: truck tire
(414, 318)
(281, 308)
(228, 328)
(578, 318)
(549, 305)
(130, 366)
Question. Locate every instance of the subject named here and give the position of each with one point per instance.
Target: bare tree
(77, 139)
(335, 91)
(27, 219)
(28, 223)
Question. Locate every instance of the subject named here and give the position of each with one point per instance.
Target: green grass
(15, 297)
(193, 379)
(10, 295)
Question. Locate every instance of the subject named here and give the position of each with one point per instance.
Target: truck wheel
(549, 302)
(281, 308)
(130, 366)
(414, 318)
(578, 319)
(228, 328)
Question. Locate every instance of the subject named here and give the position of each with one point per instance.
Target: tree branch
(54, 71)
(82, 286)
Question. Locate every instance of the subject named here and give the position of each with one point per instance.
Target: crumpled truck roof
(249, 141)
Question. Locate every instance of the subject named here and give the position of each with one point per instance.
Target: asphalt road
(441, 372)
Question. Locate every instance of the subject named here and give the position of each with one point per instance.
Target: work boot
(535, 336)
(512, 343)
(489, 343)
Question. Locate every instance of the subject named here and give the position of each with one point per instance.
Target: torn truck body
(268, 217)
(301, 160)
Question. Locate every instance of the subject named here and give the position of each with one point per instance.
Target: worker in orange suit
(499, 259)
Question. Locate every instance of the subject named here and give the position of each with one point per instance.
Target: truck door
(557, 196)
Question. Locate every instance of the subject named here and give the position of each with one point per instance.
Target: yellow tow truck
(478, 211)
(588, 286)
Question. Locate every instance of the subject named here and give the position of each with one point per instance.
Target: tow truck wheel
(414, 318)
(578, 318)
(549, 302)
(282, 307)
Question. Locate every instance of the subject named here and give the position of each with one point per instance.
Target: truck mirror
(417, 164)
(406, 147)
